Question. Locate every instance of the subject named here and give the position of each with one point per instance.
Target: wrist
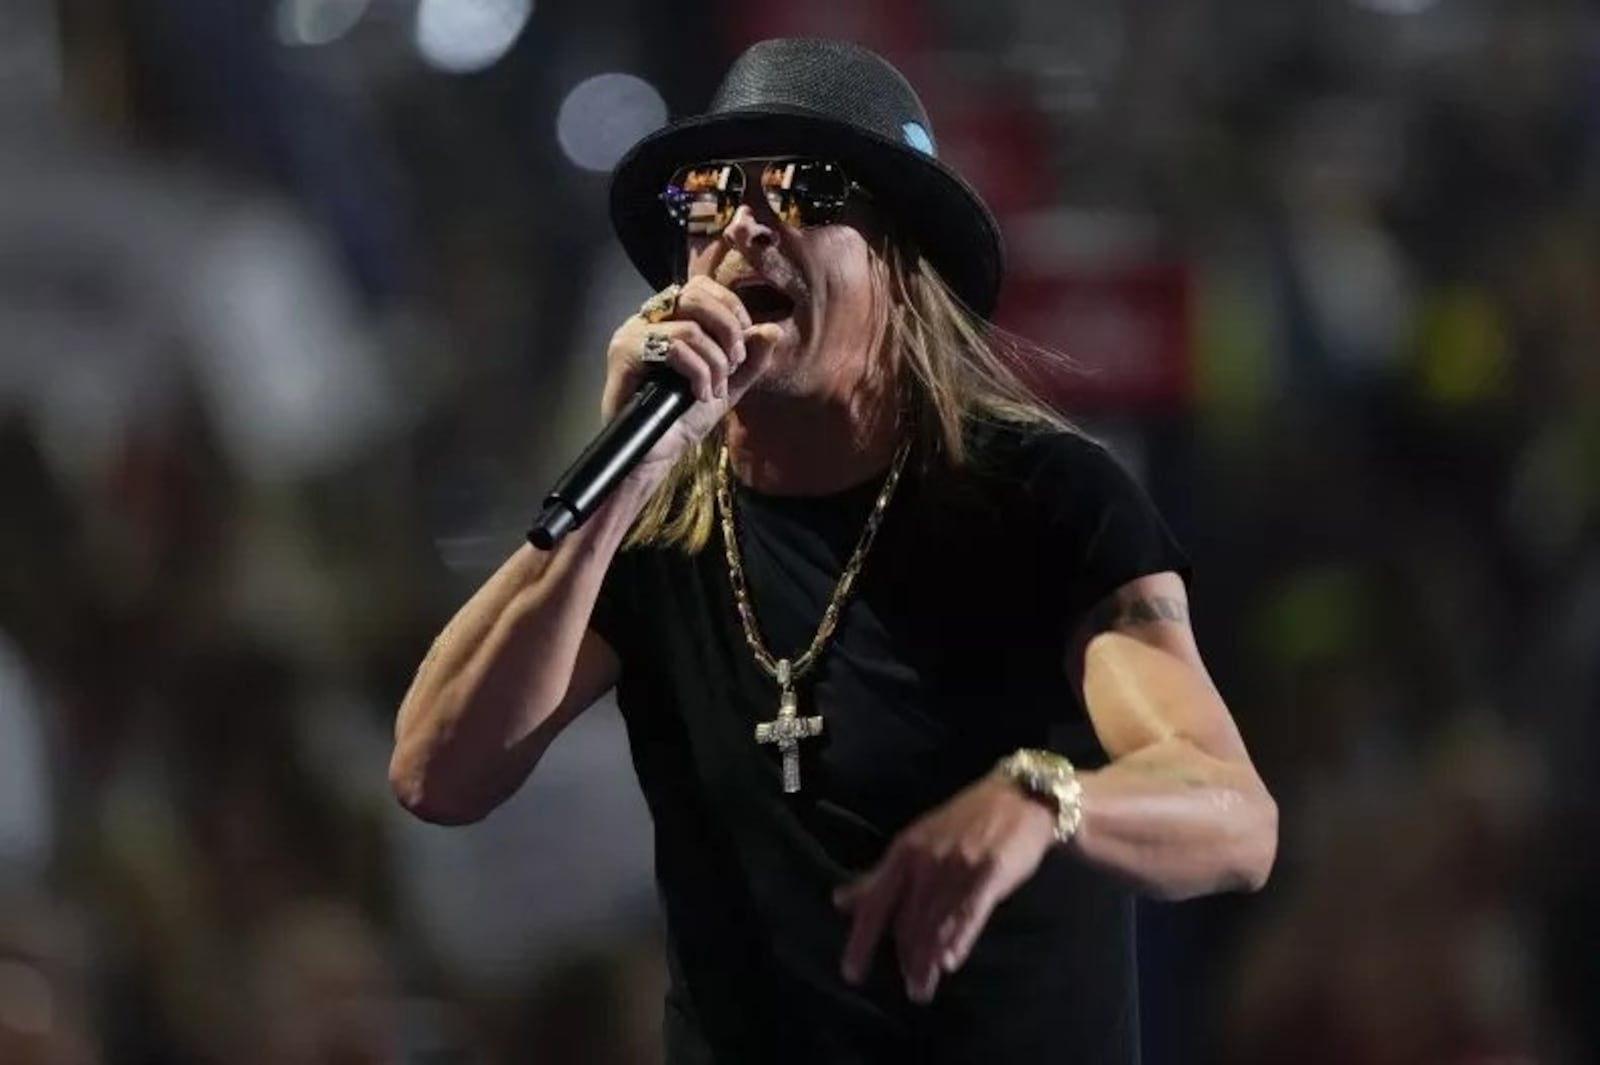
(603, 534)
(636, 489)
(1052, 780)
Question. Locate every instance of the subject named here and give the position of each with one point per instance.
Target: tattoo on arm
(1140, 611)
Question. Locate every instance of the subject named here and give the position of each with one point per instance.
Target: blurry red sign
(995, 140)
(1126, 326)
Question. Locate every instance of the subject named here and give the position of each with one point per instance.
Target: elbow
(419, 792)
(1258, 845)
(1239, 859)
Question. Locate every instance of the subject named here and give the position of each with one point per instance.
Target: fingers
(968, 921)
(711, 357)
(708, 325)
(696, 357)
(724, 296)
(872, 900)
(953, 921)
(937, 910)
(929, 905)
(922, 930)
(915, 925)
(719, 312)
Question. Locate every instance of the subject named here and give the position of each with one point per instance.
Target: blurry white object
(290, 373)
(317, 22)
(87, 296)
(120, 279)
(1359, 288)
(603, 116)
(462, 36)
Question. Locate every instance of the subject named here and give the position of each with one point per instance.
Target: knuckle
(973, 859)
(716, 350)
(626, 340)
(722, 325)
(708, 296)
(707, 314)
(707, 344)
(704, 347)
(688, 329)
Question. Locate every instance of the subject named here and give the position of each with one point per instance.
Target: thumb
(759, 342)
(763, 336)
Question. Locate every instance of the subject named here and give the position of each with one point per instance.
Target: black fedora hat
(833, 100)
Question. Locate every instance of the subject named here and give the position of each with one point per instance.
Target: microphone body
(660, 400)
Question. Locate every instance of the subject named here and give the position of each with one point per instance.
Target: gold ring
(661, 306)
(655, 347)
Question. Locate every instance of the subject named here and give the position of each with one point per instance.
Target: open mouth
(764, 302)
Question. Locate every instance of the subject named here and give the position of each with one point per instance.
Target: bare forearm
(521, 607)
(483, 704)
(1178, 822)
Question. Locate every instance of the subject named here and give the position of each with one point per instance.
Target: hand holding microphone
(673, 372)
(711, 345)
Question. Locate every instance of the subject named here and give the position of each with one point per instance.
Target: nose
(748, 230)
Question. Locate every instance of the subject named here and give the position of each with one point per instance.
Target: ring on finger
(655, 347)
(661, 306)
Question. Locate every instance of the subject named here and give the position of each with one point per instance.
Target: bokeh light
(604, 115)
(463, 36)
(317, 22)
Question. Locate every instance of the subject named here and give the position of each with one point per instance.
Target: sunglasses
(702, 199)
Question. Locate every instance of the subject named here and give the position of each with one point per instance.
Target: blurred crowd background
(304, 302)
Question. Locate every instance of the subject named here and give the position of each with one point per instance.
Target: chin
(783, 379)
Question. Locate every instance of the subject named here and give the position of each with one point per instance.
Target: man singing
(905, 662)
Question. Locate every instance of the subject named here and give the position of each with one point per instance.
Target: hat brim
(943, 214)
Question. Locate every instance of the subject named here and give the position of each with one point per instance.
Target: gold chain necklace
(789, 728)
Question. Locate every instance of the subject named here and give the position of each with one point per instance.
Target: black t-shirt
(949, 654)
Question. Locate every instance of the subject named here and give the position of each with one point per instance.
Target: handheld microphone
(659, 401)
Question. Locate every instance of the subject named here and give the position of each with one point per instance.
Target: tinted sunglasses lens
(703, 199)
(804, 192)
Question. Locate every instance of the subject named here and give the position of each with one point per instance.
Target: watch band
(1051, 777)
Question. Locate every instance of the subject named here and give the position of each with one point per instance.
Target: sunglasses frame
(832, 207)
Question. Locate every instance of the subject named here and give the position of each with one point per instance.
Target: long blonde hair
(952, 369)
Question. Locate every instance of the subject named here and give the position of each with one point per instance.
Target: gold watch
(1048, 776)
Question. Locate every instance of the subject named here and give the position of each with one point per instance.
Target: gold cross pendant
(788, 729)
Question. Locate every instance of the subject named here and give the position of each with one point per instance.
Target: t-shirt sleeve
(1101, 526)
